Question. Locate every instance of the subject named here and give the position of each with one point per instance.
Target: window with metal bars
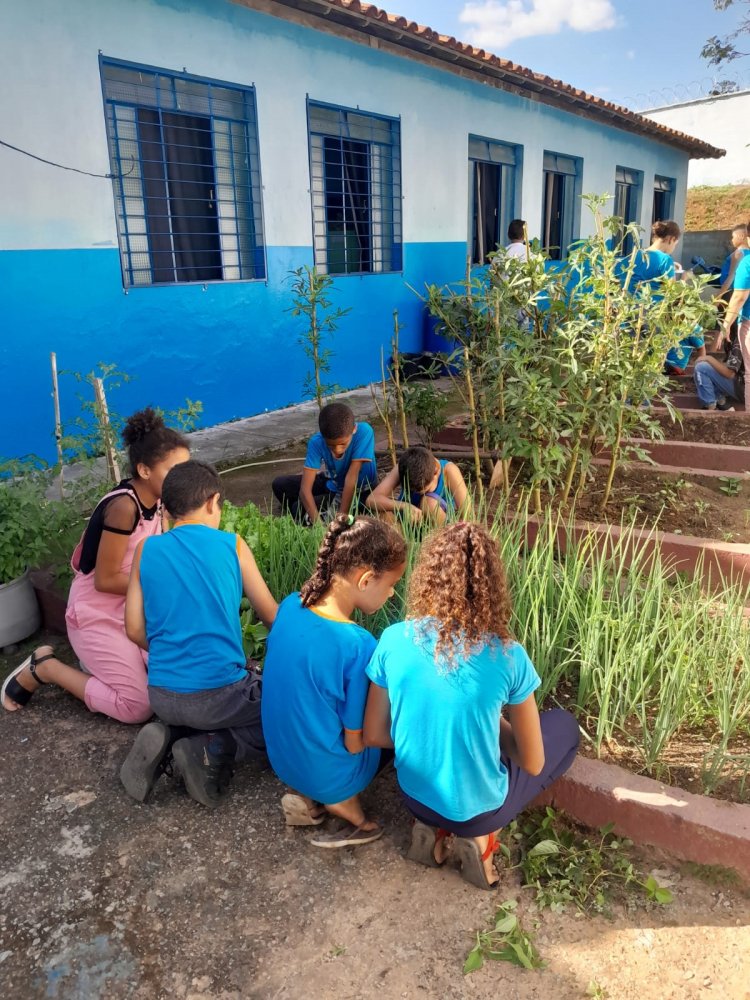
(628, 186)
(561, 210)
(184, 155)
(492, 194)
(355, 175)
(663, 198)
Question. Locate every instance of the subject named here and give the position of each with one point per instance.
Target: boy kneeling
(183, 607)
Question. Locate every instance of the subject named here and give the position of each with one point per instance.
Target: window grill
(627, 201)
(184, 154)
(355, 172)
(492, 193)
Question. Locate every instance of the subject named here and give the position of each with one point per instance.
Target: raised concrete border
(691, 827)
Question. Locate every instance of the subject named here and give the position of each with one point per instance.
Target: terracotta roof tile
(544, 88)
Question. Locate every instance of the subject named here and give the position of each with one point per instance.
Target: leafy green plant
(23, 515)
(254, 633)
(426, 405)
(507, 941)
(568, 867)
(92, 432)
(311, 301)
(730, 485)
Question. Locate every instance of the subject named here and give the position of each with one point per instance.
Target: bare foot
(26, 679)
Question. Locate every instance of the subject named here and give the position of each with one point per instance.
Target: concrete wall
(712, 246)
(722, 121)
(234, 345)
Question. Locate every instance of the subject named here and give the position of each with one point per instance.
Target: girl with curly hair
(113, 679)
(314, 681)
(441, 680)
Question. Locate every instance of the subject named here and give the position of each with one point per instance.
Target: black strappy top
(92, 536)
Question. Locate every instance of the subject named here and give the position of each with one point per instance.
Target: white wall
(52, 105)
(722, 121)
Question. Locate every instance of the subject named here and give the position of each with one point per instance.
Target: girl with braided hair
(314, 681)
(440, 682)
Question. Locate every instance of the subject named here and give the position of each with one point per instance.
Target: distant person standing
(739, 309)
(729, 269)
(650, 266)
(517, 237)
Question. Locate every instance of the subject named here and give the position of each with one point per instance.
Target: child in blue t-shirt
(421, 486)
(340, 463)
(678, 357)
(440, 682)
(314, 681)
(182, 606)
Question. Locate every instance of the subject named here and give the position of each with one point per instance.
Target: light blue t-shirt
(445, 723)
(361, 448)
(649, 268)
(192, 588)
(741, 283)
(315, 687)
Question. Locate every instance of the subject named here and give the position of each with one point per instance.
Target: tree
(721, 51)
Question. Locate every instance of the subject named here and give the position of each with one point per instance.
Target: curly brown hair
(459, 584)
(349, 543)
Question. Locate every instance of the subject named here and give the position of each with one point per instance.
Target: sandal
(348, 836)
(298, 813)
(13, 691)
(424, 840)
(472, 861)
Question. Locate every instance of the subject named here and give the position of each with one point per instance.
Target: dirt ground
(104, 898)
(717, 207)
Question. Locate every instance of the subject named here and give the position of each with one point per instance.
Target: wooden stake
(58, 422)
(113, 467)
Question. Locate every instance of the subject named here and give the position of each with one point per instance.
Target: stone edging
(691, 827)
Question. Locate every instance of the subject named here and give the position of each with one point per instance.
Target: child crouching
(421, 486)
(183, 607)
(314, 682)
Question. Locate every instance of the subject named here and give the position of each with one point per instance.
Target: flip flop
(297, 812)
(471, 860)
(424, 839)
(12, 691)
(348, 836)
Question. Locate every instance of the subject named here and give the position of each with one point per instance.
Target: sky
(640, 53)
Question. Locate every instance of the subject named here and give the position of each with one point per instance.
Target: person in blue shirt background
(340, 462)
(314, 680)
(435, 488)
(739, 309)
(678, 357)
(440, 681)
(732, 260)
(652, 265)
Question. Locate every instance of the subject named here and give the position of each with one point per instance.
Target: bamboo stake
(384, 411)
(113, 466)
(396, 369)
(58, 422)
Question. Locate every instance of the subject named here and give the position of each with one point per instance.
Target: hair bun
(140, 425)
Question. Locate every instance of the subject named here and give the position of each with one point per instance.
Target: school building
(220, 144)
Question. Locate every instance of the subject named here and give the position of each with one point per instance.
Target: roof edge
(372, 21)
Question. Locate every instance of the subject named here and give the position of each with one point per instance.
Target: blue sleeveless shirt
(192, 588)
(441, 493)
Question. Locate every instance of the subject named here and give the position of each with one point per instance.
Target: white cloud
(494, 24)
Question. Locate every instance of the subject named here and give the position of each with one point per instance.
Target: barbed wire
(679, 93)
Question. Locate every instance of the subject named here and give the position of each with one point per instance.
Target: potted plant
(23, 541)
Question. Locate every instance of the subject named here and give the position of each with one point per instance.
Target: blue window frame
(184, 155)
(494, 184)
(355, 184)
(663, 198)
(561, 209)
(628, 193)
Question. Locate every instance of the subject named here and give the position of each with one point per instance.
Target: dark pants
(234, 708)
(560, 736)
(286, 491)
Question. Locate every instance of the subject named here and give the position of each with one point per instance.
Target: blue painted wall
(234, 346)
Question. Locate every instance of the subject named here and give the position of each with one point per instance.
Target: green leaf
(506, 923)
(474, 960)
(543, 849)
(663, 896)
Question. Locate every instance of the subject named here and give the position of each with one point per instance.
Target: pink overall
(96, 630)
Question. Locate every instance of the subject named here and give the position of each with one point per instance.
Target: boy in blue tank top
(421, 486)
(183, 607)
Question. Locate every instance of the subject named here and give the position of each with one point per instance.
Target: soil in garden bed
(716, 428)
(687, 505)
